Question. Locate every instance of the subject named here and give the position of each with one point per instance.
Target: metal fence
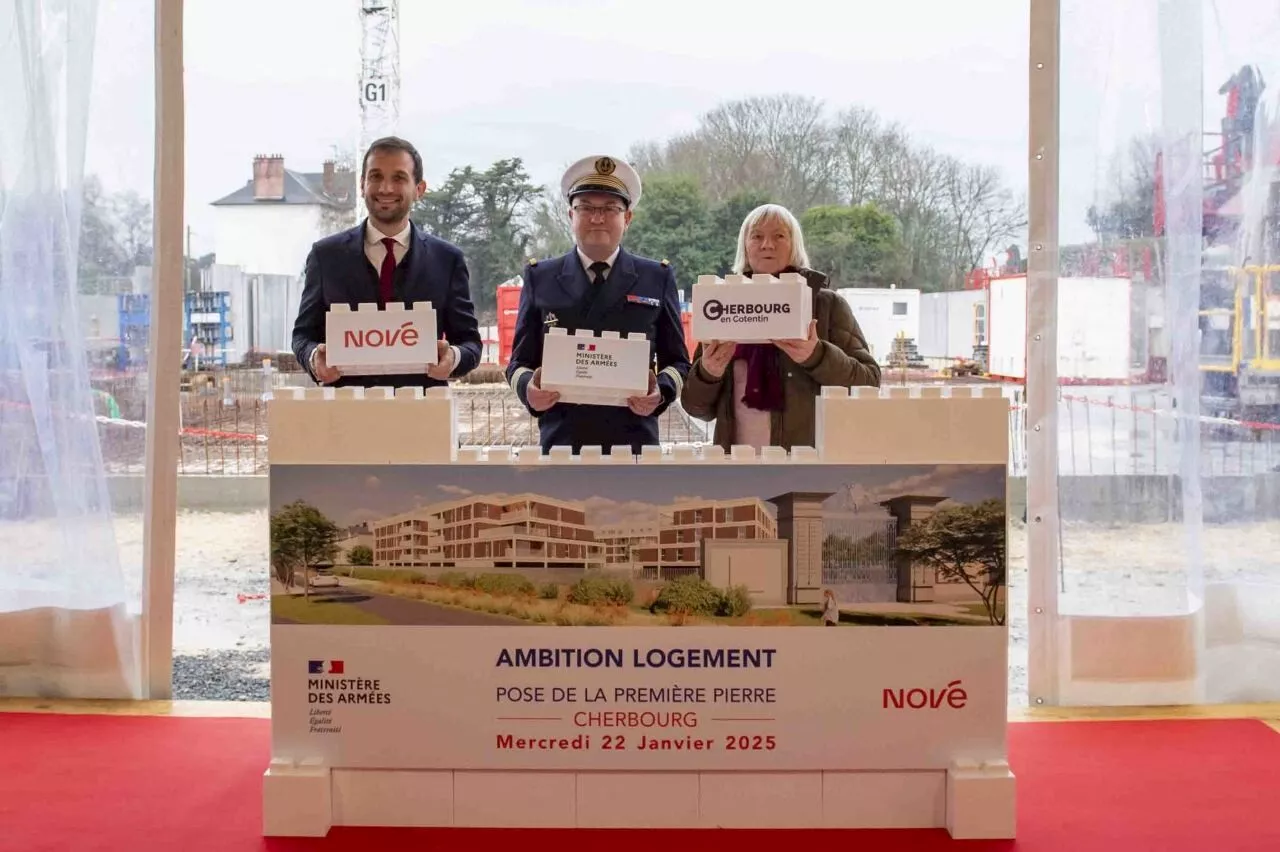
(858, 559)
(1102, 430)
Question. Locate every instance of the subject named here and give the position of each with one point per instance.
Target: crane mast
(379, 77)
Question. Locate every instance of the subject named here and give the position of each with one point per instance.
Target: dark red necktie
(388, 271)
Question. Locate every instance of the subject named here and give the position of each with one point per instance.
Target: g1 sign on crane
(379, 76)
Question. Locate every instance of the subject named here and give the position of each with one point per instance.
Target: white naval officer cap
(601, 173)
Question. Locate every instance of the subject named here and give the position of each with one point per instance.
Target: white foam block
(374, 797)
(586, 369)
(638, 800)
(296, 800)
(761, 799)
(884, 799)
(515, 799)
(766, 308)
(367, 341)
(981, 801)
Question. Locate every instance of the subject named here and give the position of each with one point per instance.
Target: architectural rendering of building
(523, 531)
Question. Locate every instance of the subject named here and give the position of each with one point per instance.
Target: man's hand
(323, 371)
(539, 400)
(716, 356)
(800, 350)
(445, 362)
(643, 406)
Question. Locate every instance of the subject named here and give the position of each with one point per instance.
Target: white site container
(754, 310)
(369, 341)
(1094, 329)
(591, 370)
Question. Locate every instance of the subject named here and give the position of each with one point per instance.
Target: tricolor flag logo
(317, 667)
(586, 347)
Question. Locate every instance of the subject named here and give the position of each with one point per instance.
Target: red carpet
(194, 785)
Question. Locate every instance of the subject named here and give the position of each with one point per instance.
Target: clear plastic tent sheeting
(67, 619)
(1169, 481)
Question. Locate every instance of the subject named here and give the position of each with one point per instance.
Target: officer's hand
(443, 367)
(323, 371)
(540, 400)
(643, 406)
(716, 356)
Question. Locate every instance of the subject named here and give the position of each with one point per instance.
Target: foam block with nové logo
(591, 370)
(751, 310)
(368, 341)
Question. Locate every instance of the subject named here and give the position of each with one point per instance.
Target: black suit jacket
(432, 271)
(638, 296)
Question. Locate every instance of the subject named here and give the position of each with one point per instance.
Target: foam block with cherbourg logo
(591, 370)
(751, 310)
(369, 341)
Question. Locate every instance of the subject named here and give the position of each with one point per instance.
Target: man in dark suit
(387, 258)
(598, 286)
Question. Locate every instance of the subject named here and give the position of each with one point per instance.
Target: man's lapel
(417, 283)
(572, 278)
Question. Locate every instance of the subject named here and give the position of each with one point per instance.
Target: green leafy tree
(966, 544)
(549, 222)
(857, 246)
(726, 222)
(486, 214)
(301, 537)
(360, 555)
(673, 222)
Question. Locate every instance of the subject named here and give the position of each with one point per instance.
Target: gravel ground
(223, 676)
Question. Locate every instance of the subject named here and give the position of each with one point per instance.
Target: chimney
(268, 177)
(330, 185)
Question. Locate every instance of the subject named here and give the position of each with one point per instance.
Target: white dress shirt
(586, 263)
(377, 252)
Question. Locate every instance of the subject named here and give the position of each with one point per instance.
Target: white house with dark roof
(267, 226)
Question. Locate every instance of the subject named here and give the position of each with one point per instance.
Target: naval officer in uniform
(598, 286)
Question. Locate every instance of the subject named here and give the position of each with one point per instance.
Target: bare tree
(780, 145)
(857, 135)
(983, 214)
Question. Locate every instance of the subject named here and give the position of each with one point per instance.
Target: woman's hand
(800, 350)
(716, 356)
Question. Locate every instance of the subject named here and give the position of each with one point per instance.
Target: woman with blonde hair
(764, 394)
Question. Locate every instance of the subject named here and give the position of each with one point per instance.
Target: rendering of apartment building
(623, 544)
(534, 531)
(683, 526)
(483, 532)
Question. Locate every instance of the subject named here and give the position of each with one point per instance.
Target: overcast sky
(553, 80)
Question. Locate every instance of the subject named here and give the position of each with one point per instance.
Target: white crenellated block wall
(362, 426)
(913, 425)
(974, 797)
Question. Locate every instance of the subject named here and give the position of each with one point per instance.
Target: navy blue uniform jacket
(639, 295)
(432, 271)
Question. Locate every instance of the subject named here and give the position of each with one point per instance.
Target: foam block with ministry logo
(368, 341)
(751, 310)
(591, 370)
